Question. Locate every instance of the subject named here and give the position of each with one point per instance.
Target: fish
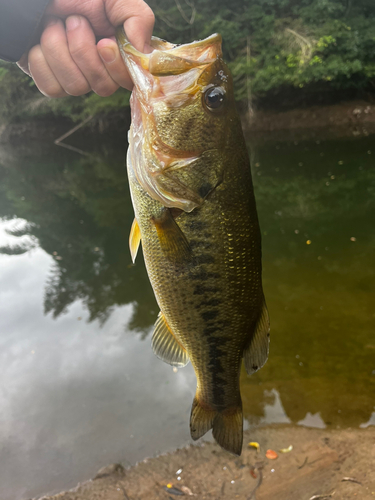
(195, 216)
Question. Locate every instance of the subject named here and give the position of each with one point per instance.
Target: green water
(316, 203)
(70, 295)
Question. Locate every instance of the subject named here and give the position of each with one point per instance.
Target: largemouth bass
(195, 214)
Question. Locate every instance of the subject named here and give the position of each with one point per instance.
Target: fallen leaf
(253, 474)
(316, 497)
(272, 455)
(255, 445)
(352, 479)
(286, 450)
(187, 491)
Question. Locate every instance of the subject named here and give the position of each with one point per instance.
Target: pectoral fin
(256, 354)
(172, 240)
(193, 179)
(134, 239)
(165, 345)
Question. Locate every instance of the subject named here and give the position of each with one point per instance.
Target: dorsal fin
(256, 354)
(166, 346)
(134, 239)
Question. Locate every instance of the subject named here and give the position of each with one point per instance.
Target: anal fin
(134, 239)
(166, 346)
(256, 354)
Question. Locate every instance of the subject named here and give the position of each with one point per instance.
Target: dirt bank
(322, 464)
(347, 119)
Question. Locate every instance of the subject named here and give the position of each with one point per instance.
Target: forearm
(19, 23)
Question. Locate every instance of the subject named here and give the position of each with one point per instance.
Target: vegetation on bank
(279, 51)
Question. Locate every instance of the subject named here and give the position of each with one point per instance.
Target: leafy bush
(298, 46)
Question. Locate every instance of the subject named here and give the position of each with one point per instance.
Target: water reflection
(316, 206)
(89, 381)
(78, 209)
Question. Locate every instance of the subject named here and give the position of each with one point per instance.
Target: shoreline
(322, 464)
(344, 120)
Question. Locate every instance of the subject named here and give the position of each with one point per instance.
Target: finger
(42, 74)
(55, 48)
(138, 20)
(93, 10)
(110, 54)
(82, 47)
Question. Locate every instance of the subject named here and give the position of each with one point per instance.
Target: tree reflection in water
(79, 210)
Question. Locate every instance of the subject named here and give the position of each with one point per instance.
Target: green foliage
(94, 104)
(19, 98)
(15, 91)
(269, 44)
(273, 44)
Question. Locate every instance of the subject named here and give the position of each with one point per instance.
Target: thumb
(136, 17)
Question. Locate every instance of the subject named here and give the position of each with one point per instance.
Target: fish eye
(214, 97)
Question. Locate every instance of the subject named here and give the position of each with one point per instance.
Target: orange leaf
(272, 455)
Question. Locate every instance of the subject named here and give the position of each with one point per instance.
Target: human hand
(68, 61)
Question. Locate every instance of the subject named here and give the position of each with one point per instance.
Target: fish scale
(197, 220)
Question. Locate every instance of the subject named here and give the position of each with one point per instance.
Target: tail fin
(226, 425)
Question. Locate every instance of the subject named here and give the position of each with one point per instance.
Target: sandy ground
(322, 464)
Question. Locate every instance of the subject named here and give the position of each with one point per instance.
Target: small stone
(110, 470)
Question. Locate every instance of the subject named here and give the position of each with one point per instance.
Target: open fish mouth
(167, 59)
(169, 84)
(170, 71)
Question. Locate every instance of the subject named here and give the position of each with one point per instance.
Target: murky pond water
(80, 387)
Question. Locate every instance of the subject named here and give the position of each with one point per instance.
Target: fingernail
(107, 54)
(72, 23)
